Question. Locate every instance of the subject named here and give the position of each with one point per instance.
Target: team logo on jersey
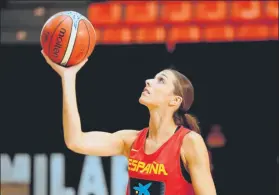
(142, 189)
(146, 187)
(147, 168)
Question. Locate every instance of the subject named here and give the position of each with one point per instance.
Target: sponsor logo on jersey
(146, 187)
(142, 189)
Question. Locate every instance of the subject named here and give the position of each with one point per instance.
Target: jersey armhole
(184, 172)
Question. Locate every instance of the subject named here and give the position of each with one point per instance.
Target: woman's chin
(142, 101)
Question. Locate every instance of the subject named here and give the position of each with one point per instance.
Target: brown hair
(184, 88)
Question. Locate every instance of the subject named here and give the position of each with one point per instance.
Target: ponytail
(187, 120)
(192, 123)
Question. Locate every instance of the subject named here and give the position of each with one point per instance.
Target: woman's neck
(161, 125)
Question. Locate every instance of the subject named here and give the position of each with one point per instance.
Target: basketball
(68, 38)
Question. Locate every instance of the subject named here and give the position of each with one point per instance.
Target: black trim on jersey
(184, 171)
(178, 127)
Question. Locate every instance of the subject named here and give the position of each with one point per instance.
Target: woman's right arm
(95, 142)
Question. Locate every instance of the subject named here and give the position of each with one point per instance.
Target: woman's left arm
(196, 156)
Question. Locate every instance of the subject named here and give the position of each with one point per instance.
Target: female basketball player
(167, 158)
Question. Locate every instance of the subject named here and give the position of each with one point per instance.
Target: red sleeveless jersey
(158, 173)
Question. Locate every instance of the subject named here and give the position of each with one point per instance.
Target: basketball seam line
(73, 44)
(74, 41)
(68, 43)
(88, 47)
(95, 35)
(52, 17)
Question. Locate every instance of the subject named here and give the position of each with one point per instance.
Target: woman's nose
(148, 82)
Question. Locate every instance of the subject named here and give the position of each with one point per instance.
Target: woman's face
(159, 90)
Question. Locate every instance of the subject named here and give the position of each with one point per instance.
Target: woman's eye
(161, 80)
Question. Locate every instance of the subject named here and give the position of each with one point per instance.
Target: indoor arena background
(229, 50)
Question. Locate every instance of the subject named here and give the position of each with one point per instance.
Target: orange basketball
(68, 38)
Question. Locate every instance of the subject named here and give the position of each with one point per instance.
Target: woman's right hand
(64, 71)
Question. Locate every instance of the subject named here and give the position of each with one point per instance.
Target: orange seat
(175, 11)
(150, 34)
(211, 11)
(252, 32)
(246, 10)
(118, 34)
(98, 35)
(105, 13)
(139, 12)
(184, 33)
(274, 32)
(271, 10)
(219, 33)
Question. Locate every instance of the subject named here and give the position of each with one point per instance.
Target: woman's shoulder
(193, 142)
